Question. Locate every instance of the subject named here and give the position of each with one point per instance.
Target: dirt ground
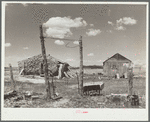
(68, 90)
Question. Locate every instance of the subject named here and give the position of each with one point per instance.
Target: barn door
(113, 69)
(125, 67)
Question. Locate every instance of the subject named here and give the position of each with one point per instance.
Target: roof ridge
(117, 57)
(41, 55)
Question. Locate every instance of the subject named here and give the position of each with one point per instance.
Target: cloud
(58, 42)
(7, 44)
(120, 28)
(63, 22)
(57, 32)
(59, 27)
(110, 23)
(91, 25)
(76, 42)
(93, 32)
(25, 48)
(126, 21)
(120, 24)
(90, 54)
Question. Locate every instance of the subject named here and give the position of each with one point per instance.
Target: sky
(106, 29)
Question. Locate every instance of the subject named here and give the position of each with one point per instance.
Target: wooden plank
(101, 84)
(130, 76)
(21, 72)
(57, 98)
(11, 78)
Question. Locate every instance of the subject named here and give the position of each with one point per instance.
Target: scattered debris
(18, 98)
(10, 94)
(116, 99)
(35, 97)
(134, 100)
(119, 94)
(57, 98)
(16, 106)
(35, 93)
(100, 103)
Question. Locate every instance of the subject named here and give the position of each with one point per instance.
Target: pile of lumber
(116, 98)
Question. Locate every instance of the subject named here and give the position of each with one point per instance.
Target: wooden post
(81, 67)
(24, 68)
(41, 68)
(53, 87)
(130, 87)
(12, 79)
(45, 64)
(34, 69)
(139, 70)
(77, 81)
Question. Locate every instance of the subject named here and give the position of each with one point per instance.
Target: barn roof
(118, 57)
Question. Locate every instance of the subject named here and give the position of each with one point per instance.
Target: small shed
(117, 64)
(35, 65)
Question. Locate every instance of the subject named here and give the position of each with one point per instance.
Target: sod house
(35, 65)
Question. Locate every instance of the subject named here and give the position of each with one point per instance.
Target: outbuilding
(116, 65)
(35, 65)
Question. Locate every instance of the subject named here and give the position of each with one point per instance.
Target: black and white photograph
(74, 60)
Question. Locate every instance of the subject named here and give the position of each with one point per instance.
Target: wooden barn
(117, 64)
(35, 65)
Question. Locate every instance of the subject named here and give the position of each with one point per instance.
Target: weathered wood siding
(113, 66)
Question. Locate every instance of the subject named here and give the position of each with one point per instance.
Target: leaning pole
(81, 67)
(45, 64)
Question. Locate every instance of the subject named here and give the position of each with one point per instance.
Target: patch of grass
(70, 96)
